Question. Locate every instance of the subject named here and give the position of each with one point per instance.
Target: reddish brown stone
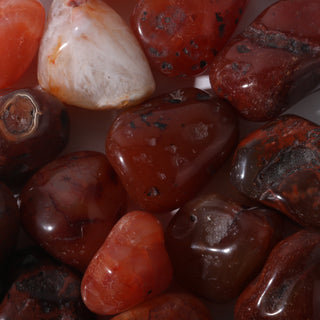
(274, 63)
(217, 246)
(34, 129)
(279, 166)
(71, 204)
(165, 149)
(288, 286)
(181, 38)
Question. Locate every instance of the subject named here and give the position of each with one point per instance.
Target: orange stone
(21, 28)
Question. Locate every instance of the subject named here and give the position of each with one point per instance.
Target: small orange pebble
(21, 28)
(169, 306)
(131, 266)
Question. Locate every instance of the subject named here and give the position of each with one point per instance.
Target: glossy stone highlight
(165, 149)
(274, 63)
(71, 204)
(131, 266)
(287, 287)
(21, 28)
(34, 129)
(218, 246)
(181, 38)
(278, 165)
(90, 58)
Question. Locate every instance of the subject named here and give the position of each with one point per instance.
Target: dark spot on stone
(132, 125)
(202, 96)
(221, 30)
(153, 192)
(235, 66)
(160, 125)
(186, 51)
(218, 17)
(243, 48)
(154, 52)
(166, 66)
(203, 64)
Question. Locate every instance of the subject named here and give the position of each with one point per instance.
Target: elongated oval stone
(89, 57)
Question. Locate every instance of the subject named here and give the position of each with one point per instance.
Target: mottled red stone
(71, 204)
(168, 306)
(274, 63)
(131, 266)
(218, 246)
(47, 291)
(181, 38)
(34, 129)
(288, 285)
(278, 165)
(165, 149)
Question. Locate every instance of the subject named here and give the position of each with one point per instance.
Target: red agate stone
(131, 266)
(278, 165)
(21, 28)
(168, 306)
(71, 204)
(288, 286)
(165, 149)
(274, 63)
(218, 246)
(34, 129)
(182, 37)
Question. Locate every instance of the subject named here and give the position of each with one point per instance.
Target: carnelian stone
(274, 63)
(288, 286)
(165, 149)
(131, 266)
(71, 204)
(21, 28)
(217, 246)
(278, 165)
(168, 306)
(182, 37)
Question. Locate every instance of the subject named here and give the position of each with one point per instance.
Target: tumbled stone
(89, 57)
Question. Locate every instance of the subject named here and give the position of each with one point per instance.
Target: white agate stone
(90, 58)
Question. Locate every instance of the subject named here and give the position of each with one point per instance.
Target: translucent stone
(90, 58)
(21, 28)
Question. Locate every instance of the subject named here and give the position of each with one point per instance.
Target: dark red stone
(288, 286)
(217, 246)
(45, 292)
(274, 63)
(279, 166)
(34, 129)
(9, 222)
(165, 149)
(71, 204)
(182, 37)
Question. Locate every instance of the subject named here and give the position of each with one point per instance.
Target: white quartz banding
(90, 58)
